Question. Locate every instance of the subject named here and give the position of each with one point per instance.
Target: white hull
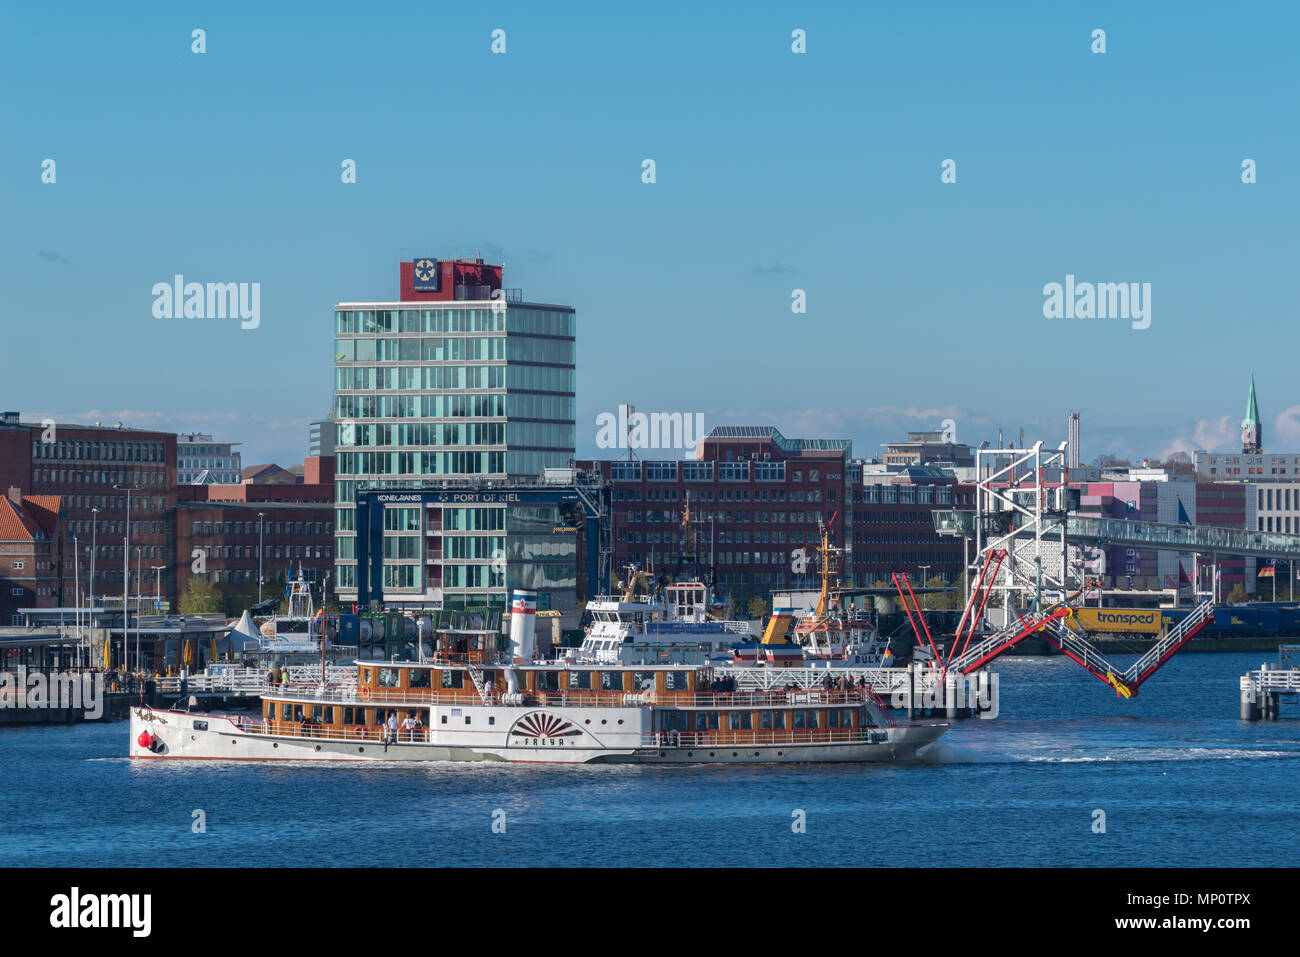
(218, 738)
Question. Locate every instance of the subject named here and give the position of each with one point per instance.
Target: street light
(924, 578)
(259, 556)
(126, 563)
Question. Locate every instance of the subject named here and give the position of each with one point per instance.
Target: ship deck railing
(702, 740)
(575, 698)
(350, 733)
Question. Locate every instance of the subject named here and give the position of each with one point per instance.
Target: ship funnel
(523, 621)
(778, 626)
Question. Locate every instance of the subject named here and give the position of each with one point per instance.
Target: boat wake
(943, 753)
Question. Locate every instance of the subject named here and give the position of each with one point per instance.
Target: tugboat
(830, 635)
(485, 703)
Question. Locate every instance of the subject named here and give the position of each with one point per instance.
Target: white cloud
(1212, 435)
(1286, 429)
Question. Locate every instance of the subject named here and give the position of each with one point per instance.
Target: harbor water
(1173, 775)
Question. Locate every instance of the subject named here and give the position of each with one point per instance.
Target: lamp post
(126, 564)
(76, 595)
(137, 609)
(260, 525)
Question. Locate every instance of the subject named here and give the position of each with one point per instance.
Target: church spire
(1252, 435)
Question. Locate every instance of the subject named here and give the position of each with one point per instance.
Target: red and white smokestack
(523, 622)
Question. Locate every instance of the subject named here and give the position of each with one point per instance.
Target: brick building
(219, 530)
(894, 532)
(755, 497)
(81, 465)
(31, 549)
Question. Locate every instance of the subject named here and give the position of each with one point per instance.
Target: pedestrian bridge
(1204, 539)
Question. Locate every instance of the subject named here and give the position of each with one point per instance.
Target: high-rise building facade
(457, 381)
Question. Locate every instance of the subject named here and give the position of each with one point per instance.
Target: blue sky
(775, 171)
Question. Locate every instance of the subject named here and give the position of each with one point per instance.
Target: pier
(1262, 690)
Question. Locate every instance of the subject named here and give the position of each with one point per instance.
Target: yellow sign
(1141, 621)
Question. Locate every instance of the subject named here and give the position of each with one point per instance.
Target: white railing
(1175, 636)
(352, 733)
(252, 681)
(740, 739)
(883, 681)
(1281, 681)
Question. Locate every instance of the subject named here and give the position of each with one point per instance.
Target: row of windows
(268, 551)
(455, 349)
(198, 528)
(413, 378)
(797, 718)
(80, 477)
(79, 527)
(544, 322)
(415, 463)
(1282, 499)
(909, 495)
(727, 516)
(100, 451)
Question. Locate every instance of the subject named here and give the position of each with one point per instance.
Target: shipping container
(1123, 621)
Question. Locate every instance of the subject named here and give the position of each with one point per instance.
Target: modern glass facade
(445, 392)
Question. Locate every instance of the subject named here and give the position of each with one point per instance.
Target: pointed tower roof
(1252, 433)
(1252, 408)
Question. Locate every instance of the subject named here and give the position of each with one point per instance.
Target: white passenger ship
(652, 703)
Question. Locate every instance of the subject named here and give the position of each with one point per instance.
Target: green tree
(199, 598)
(757, 607)
(1238, 594)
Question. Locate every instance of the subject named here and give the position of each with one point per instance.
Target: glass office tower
(457, 391)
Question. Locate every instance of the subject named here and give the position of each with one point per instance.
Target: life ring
(359, 732)
(365, 693)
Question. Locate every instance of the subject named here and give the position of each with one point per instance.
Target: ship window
(580, 680)
(444, 719)
(765, 721)
(611, 681)
(388, 677)
(778, 720)
(833, 718)
(846, 717)
(643, 680)
(675, 681)
(798, 716)
(419, 677)
(548, 681)
(453, 679)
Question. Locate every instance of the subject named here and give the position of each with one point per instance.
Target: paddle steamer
(483, 698)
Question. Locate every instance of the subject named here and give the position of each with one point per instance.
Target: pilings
(1262, 690)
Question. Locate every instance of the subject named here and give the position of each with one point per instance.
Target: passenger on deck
(391, 736)
(411, 725)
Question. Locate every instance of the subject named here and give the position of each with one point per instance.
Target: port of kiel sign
(425, 277)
